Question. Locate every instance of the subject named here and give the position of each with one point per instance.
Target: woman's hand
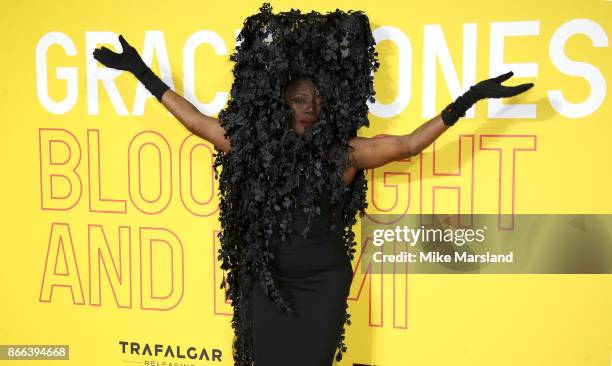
(130, 60)
(490, 88)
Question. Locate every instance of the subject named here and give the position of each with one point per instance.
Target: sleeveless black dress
(315, 273)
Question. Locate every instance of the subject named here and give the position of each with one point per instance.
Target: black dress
(315, 273)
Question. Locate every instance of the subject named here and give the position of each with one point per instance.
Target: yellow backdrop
(110, 207)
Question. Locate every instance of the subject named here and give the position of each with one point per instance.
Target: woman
(286, 207)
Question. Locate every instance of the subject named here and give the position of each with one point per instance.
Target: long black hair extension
(260, 174)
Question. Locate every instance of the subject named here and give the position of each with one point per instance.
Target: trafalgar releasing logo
(171, 351)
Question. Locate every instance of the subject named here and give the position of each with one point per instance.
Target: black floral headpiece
(259, 176)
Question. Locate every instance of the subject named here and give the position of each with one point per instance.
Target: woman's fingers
(523, 87)
(105, 56)
(518, 89)
(124, 43)
(503, 77)
(98, 54)
(100, 51)
(102, 54)
(107, 51)
(511, 91)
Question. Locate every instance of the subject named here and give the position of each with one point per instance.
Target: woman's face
(300, 96)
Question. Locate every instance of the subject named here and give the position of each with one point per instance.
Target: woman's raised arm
(367, 153)
(208, 128)
(199, 124)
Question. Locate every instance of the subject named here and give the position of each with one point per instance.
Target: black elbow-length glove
(130, 60)
(490, 88)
